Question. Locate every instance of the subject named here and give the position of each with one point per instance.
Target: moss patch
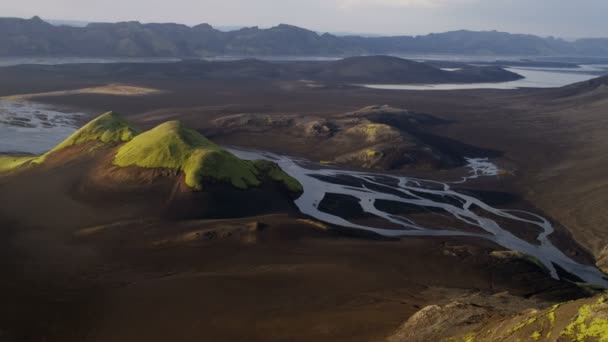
(107, 128)
(374, 132)
(373, 153)
(172, 146)
(469, 338)
(274, 172)
(536, 336)
(10, 163)
(590, 323)
(524, 324)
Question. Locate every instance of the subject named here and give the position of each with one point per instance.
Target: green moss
(175, 147)
(373, 153)
(10, 163)
(469, 338)
(274, 172)
(172, 146)
(526, 323)
(551, 319)
(535, 336)
(373, 128)
(219, 165)
(107, 128)
(374, 132)
(590, 323)
(520, 326)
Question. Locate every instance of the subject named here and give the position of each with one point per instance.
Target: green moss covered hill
(167, 146)
(107, 128)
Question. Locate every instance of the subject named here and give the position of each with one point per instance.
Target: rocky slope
(375, 137)
(502, 317)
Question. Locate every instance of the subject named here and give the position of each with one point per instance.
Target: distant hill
(367, 69)
(35, 37)
(594, 88)
(386, 69)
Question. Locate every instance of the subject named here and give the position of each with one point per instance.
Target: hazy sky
(563, 18)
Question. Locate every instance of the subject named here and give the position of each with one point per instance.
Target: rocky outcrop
(375, 137)
(501, 318)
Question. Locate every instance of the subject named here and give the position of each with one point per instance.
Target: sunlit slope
(167, 146)
(106, 128)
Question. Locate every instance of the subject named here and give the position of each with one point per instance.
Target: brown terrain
(105, 265)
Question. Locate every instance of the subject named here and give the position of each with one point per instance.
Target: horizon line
(85, 23)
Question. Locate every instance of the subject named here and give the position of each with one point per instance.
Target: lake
(533, 78)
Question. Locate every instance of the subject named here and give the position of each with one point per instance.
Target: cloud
(348, 4)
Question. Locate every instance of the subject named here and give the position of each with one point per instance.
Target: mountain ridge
(361, 69)
(36, 37)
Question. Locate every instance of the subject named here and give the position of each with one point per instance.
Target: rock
(433, 322)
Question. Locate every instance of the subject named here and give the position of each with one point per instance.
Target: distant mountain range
(36, 37)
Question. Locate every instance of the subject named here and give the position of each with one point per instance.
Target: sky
(560, 18)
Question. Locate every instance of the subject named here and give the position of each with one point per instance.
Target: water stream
(433, 195)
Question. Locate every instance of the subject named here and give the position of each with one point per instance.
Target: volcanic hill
(179, 163)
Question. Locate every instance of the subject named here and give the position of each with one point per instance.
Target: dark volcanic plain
(69, 276)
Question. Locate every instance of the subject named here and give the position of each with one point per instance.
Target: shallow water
(12, 61)
(29, 127)
(425, 194)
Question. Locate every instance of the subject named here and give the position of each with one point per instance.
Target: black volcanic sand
(101, 270)
(143, 279)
